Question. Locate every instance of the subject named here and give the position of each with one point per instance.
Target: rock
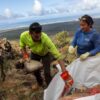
(33, 65)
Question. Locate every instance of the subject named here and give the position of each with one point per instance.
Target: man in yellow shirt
(41, 49)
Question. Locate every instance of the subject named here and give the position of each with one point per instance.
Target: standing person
(41, 49)
(86, 39)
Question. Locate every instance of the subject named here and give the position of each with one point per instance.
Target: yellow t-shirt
(40, 48)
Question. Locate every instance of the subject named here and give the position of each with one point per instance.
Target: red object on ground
(93, 91)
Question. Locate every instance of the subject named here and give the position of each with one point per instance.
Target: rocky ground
(20, 85)
(17, 83)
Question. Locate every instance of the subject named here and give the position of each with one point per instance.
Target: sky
(25, 9)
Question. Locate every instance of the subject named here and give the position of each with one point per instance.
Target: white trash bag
(55, 88)
(85, 73)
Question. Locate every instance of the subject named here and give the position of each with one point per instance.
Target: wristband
(65, 75)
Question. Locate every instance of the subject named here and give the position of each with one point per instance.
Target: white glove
(84, 56)
(98, 54)
(71, 50)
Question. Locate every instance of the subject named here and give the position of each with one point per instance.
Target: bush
(61, 39)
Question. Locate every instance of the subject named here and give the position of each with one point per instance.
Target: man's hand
(26, 57)
(67, 78)
(68, 82)
(84, 56)
(71, 50)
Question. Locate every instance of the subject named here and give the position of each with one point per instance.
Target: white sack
(85, 73)
(55, 88)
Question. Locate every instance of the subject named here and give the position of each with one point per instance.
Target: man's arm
(65, 74)
(61, 62)
(53, 50)
(24, 53)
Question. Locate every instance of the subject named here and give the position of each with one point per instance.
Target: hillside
(16, 83)
(50, 29)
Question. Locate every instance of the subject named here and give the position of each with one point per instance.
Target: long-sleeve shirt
(87, 42)
(40, 48)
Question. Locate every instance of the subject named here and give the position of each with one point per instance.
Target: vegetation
(62, 41)
(18, 84)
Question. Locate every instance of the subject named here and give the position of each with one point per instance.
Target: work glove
(68, 82)
(84, 56)
(71, 50)
(98, 54)
(26, 57)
